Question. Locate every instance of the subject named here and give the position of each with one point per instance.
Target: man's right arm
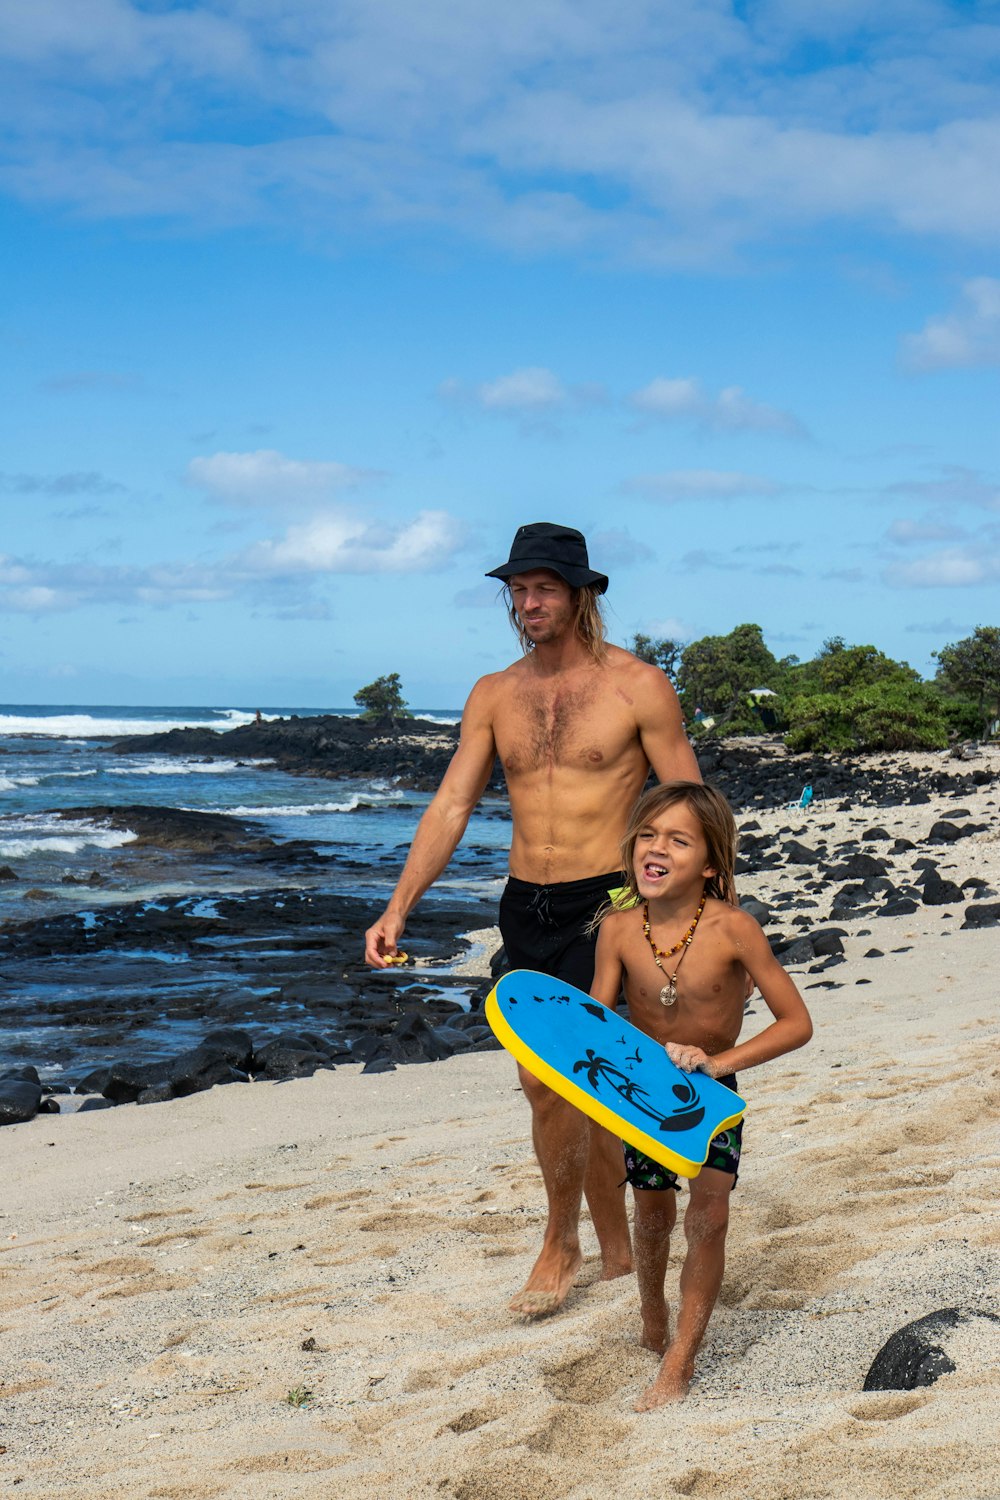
(440, 830)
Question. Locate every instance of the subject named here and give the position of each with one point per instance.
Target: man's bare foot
(671, 1385)
(548, 1286)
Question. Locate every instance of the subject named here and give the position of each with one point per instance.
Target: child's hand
(689, 1059)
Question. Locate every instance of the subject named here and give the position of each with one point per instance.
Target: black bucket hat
(561, 549)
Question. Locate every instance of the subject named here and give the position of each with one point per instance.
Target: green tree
(857, 698)
(838, 668)
(970, 668)
(717, 673)
(382, 700)
(888, 715)
(665, 654)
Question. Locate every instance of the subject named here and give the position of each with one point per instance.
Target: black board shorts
(544, 927)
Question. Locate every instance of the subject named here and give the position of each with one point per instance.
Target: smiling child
(679, 854)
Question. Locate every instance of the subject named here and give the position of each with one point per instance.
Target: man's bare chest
(581, 725)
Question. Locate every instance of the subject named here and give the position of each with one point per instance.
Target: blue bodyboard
(610, 1069)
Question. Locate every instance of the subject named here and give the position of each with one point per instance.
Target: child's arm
(607, 983)
(790, 1028)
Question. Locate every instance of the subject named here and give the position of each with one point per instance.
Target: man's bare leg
(705, 1225)
(561, 1137)
(655, 1217)
(604, 1190)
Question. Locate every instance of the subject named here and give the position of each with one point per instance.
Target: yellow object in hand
(397, 958)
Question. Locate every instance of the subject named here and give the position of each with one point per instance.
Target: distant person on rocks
(577, 724)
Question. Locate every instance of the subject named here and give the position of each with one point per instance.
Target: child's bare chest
(691, 996)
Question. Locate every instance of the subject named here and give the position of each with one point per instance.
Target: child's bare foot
(655, 1332)
(671, 1385)
(655, 1328)
(548, 1286)
(616, 1263)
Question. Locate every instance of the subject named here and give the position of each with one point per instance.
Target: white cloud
(341, 543)
(668, 629)
(952, 568)
(531, 393)
(699, 560)
(84, 482)
(946, 627)
(529, 389)
(269, 478)
(962, 339)
(905, 531)
(956, 485)
(278, 572)
(665, 133)
(731, 409)
(699, 484)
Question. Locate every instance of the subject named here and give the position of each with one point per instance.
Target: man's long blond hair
(589, 620)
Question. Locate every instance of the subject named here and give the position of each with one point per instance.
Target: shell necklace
(668, 994)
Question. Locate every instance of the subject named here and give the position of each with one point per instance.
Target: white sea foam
(8, 783)
(40, 834)
(303, 809)
(169, 765)
(93, 726)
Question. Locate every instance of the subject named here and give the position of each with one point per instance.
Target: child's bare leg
(655, 1217)
(705, 1225)
(604, 1190)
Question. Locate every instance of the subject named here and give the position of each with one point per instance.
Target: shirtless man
(577, 724)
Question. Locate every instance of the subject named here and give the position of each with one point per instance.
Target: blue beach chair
(804, 800)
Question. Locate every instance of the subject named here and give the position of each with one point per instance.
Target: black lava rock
(127, 1080)
(800, 854)
(157, 1093)
(986, 914)
(19, 1100)
(903, 906)
(938, 892)
(758, 910)
(858, 867)
(943, 832)
(917, 1354)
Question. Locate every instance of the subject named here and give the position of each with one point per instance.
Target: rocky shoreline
(413, 752)
(227, 985)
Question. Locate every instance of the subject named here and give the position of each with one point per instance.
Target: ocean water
(58, 862)
(57, 758)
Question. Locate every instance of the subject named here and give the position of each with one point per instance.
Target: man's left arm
(661, 728)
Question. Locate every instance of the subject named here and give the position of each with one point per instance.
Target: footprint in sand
(571, 1434)
(593, 1377)
(470, 1421)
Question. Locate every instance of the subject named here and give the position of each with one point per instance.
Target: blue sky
(306, 307)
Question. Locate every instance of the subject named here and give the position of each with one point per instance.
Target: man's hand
(690, 1059)
(382, 939)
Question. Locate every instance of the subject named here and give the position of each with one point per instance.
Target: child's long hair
(717, 824)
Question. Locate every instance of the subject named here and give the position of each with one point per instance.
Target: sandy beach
(300, 1289)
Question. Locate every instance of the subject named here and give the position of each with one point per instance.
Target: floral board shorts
(723, 1154)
